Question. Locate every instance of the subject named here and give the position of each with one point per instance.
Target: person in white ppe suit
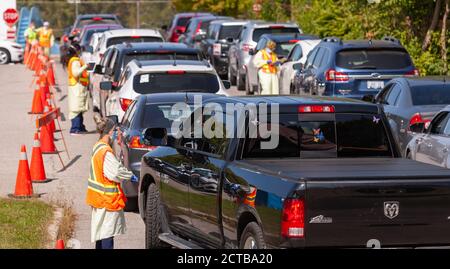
(267, 62)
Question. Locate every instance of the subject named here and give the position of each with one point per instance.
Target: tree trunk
(444, 36)
(434, 21)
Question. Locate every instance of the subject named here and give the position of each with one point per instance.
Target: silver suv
(238, 54)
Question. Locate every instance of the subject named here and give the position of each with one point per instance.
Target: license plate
(375, 84)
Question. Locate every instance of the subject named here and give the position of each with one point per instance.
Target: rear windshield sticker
(318, 135)
(376, 120)
(144, 78)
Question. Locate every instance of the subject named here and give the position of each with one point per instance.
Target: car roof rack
(391, 39)
(206, 63)
(332, 39)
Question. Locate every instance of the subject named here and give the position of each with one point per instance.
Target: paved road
(70, 185)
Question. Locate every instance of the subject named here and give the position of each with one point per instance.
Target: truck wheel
(5, 57)
(153, 219)
(252, 237)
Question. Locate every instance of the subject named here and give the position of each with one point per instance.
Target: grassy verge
(23, 223)
(67, 225)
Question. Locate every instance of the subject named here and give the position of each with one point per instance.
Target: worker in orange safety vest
(46, 38)
(267, 62)
(104, 193)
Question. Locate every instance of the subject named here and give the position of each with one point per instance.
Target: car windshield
(283, 49)
(132, 39)
(258, 32)
(163, 116)
(96, 21)
(149, 56)
(88, 34)
(431, 95)
(373, 59)
(176, 81)
(349, 135)
(228, 31)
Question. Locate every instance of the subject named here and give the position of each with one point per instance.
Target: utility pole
(138, 13)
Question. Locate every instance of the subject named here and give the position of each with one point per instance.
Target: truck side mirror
(155, 136)
(418, 127)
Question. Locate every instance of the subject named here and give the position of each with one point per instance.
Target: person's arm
(77, 69)
(114, 170)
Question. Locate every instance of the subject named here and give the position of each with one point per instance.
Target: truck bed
(349, 168)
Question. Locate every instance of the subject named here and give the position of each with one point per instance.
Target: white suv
(162, 76)
(119, 36)
(10, 52)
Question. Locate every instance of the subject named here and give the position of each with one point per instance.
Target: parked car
(431, 143)
(335, 171)
(10, 52)
(408, 101)
(148, 111)
(117, 58)
(353, 69)
(298, 55)
(239, 56)
(178, 25)
(88, 56)
(159, 76)
(196, 30)
(284, 45)
(221, 35)
(86, 36)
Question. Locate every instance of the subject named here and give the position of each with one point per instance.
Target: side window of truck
(218, 143)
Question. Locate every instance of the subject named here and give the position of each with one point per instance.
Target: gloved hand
(277, 63)
(134, 179)
(269, 61)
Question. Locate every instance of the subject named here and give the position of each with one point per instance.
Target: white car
(298, 54)
(119, 36)
(10, 52)
(88, 56)
(162, 76)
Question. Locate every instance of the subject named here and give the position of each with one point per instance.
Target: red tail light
(276, 26)
(97, 19)
(125, 103)
(293, 41)
(417, 118)
(246, 47)
(293, 218)
(135, 143)
(414, 73)
(176, 72)
(135, 36)
(316, 109)
(333, 75)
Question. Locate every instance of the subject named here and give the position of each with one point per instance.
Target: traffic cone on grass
(24, 187)
(47, 141)
(36, 106)
(37, 169)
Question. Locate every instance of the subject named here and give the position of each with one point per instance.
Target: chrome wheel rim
(3, 57)
(250, 243)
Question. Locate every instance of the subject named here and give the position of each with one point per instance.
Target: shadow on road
(74, 160)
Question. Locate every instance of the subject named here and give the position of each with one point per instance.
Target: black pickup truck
(336, 179)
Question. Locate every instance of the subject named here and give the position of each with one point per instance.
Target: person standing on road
(104, 193)
(30, 36)
(77, 90)
(267, 62)
(46, 38)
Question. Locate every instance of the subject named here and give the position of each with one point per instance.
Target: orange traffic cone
(50, 108)
(47, 141)
(43, 86)
(59, 244)
(51, 74)
(36, 106)
(37, 169)
(24, 187)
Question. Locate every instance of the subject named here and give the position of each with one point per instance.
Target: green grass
(23, 223)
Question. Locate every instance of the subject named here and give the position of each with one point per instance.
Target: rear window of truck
(373, 59)
(346, 136)
(132, 39)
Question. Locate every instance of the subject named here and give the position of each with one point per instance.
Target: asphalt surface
(69, 184)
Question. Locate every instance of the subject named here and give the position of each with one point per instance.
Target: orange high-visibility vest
(102, 192)
(268, 68)
(83, 79)
(45, 37)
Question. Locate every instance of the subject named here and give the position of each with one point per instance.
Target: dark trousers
(77, 124)
(107, 243)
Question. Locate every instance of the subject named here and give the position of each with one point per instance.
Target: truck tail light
(176, 72)
(316, 109)
(293, 218)
(135, 143)
(413, 73)
(293, 41)
(125, 103)
(97, 19)
(333, 75)
(417, 118)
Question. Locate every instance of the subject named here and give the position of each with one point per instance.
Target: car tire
(252, 237)
(409, 155)
(153, 219)
(5, 57)
(248, 89)
(239, 81)
(231, 77)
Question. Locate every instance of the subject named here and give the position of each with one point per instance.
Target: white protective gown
(269, 82)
